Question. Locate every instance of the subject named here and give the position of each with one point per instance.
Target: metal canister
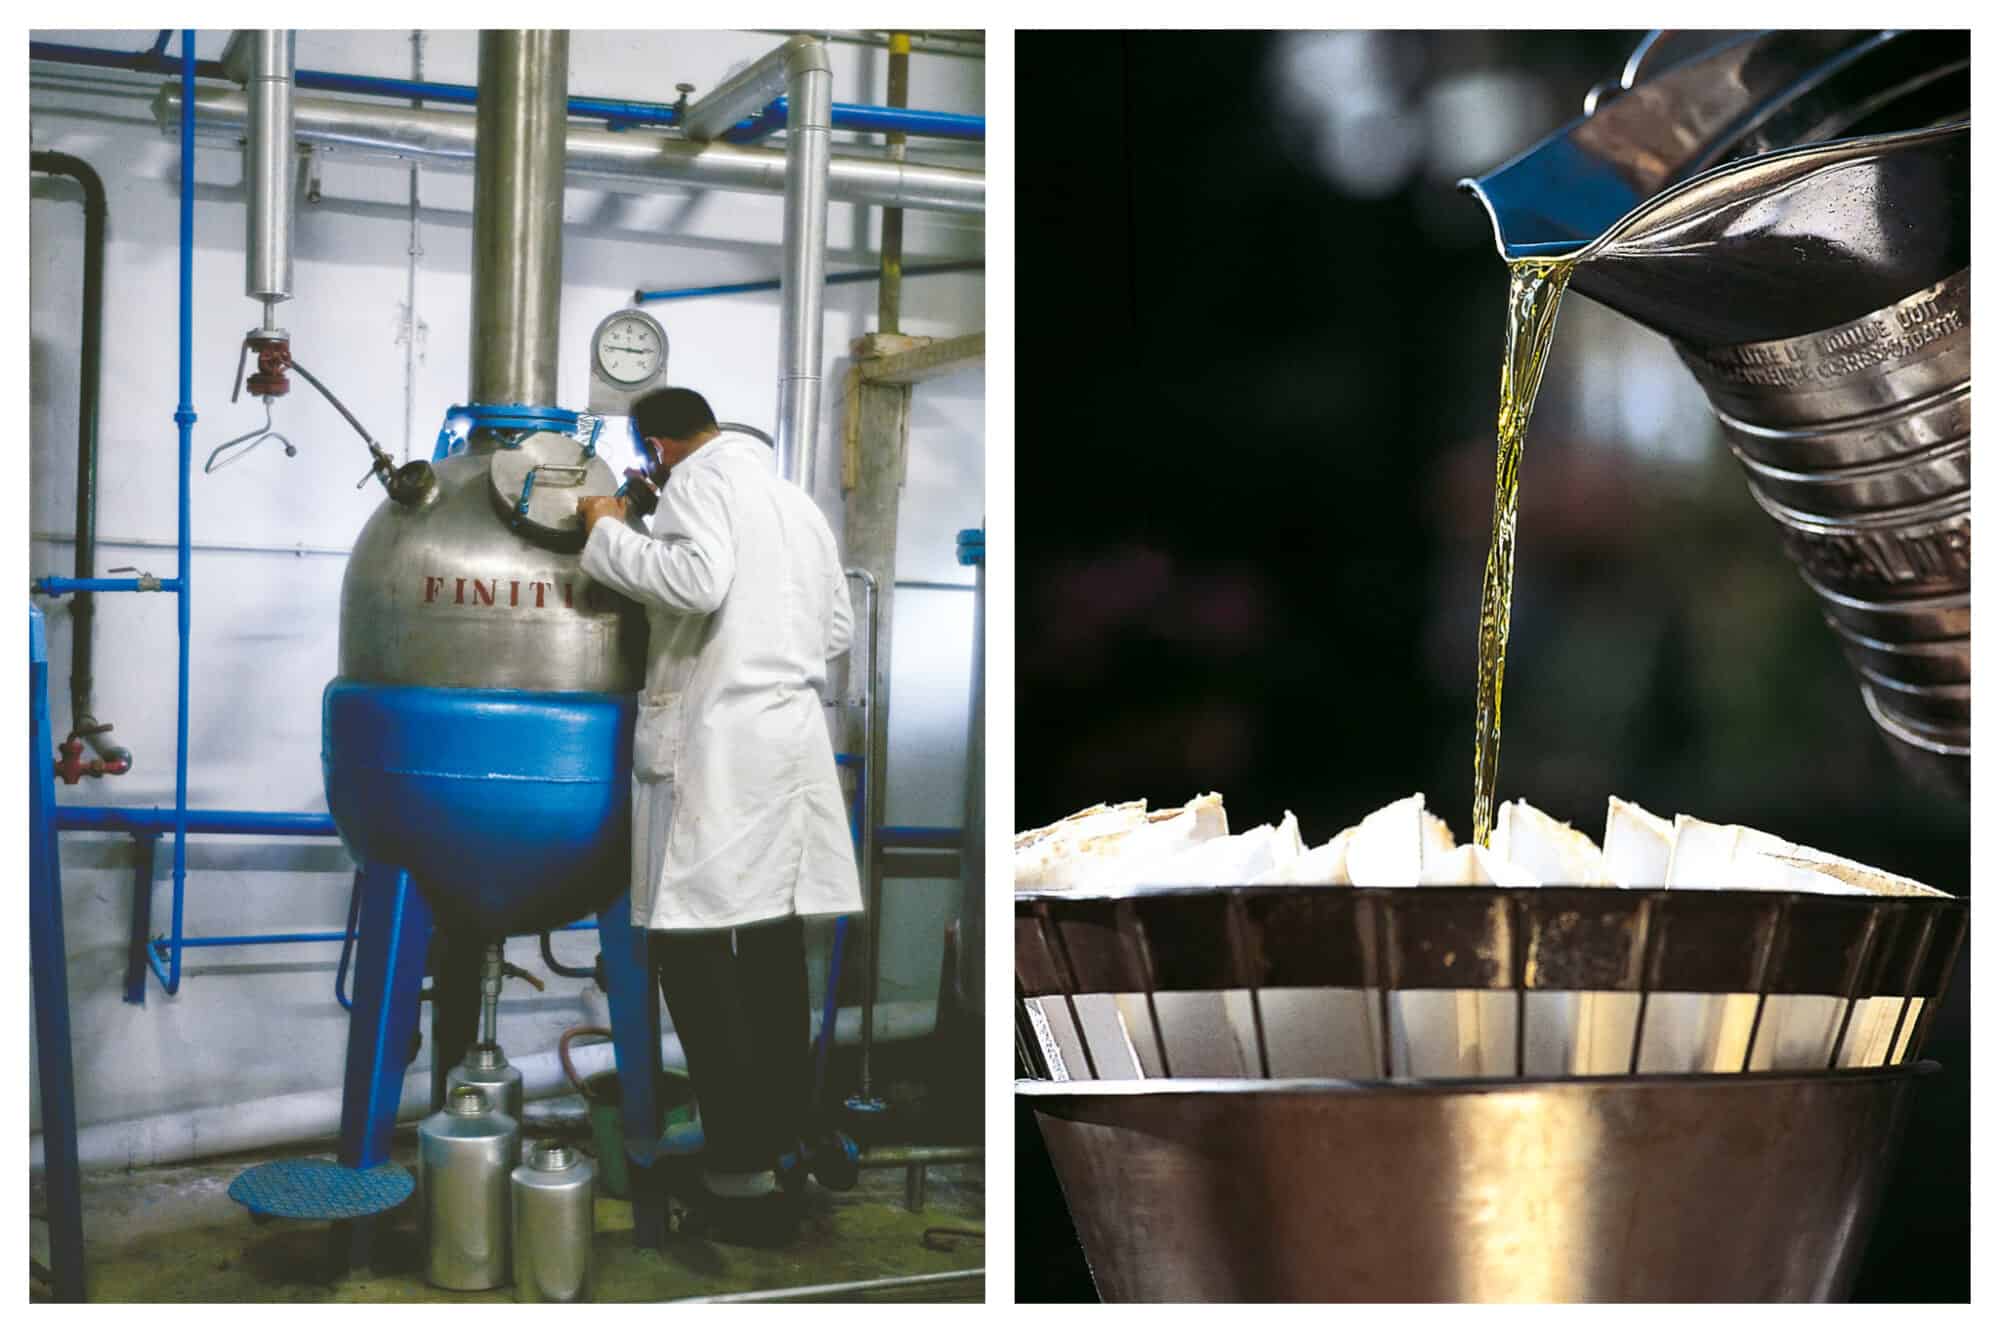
(554, 1207)
(464, 1154)
(485, 1067)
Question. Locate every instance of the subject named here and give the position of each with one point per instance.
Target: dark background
(1258, 358)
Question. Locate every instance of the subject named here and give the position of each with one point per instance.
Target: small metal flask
(464, 1154)
(485, 1067)
(554, 1224)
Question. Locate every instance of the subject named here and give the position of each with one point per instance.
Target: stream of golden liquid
(1534, 293)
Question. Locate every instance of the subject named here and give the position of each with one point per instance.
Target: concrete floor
(173, 1234)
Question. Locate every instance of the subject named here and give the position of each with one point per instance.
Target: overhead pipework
(617, 113)
(801, 71)
(633, 160)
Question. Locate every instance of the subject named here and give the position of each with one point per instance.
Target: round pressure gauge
(630, 348)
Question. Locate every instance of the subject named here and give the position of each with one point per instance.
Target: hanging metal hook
(253, 438)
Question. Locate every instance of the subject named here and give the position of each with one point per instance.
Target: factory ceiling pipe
(855, 117)
(517, 201)
(628, 160)
(801, 70)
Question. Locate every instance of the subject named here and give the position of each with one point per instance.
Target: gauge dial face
(630, 348)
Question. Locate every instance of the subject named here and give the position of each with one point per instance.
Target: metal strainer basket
(1456, 1093)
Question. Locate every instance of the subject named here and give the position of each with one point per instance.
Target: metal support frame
(635, 1036)
(391, 948)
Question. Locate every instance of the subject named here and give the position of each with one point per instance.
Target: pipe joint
(72, 768)
(755, 87)
(805, 54)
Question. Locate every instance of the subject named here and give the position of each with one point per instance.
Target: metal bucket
(1683, 1188)
(604, 1100)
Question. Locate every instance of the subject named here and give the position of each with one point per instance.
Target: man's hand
(591, 508)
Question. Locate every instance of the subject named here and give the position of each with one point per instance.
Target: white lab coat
(737, 812)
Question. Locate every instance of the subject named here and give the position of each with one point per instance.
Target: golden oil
(1534, 293)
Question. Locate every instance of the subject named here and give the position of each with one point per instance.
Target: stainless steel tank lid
(485, 1057)
(467, 1100)
(551, 1155)
(538, 482)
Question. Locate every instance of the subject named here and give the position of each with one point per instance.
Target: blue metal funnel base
(510, 809)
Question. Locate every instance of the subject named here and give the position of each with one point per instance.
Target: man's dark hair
(672, 414)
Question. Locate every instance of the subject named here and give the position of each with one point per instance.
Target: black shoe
(835, 1161)
(749, 1208)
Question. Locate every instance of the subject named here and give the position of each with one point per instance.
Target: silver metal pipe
(411, 324)
(802, 290)
(871, 819)
(800, 70)
(633, 160)
(828, 1290)
(268, 163)
(921, 1155)
(489, 995)
(517, 202)
(752, 88)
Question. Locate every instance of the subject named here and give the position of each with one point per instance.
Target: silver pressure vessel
(485, 1067)
(464, 1155)
(554, 1207)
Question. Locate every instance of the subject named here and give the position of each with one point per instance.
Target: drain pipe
(90, 361)
(799, 69)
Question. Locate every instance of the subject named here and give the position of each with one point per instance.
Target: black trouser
(738, 1001)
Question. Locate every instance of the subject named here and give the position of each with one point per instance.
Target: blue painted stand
(635, 1037)
(390, 953)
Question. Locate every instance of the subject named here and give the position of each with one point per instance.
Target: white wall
(253, 1022)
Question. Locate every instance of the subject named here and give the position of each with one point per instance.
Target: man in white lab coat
(739, 827)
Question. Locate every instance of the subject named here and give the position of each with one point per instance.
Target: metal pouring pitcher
(1792, 210)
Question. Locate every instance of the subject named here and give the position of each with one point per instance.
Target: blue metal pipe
(866, 120)
(153, 819)
(232, 941)
(55, 586)
(48, 962)
(145, 848)
(301, 937)
(941, 839)
(859, 118)
(829, 1010)
(642, 296)
(184, 417)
